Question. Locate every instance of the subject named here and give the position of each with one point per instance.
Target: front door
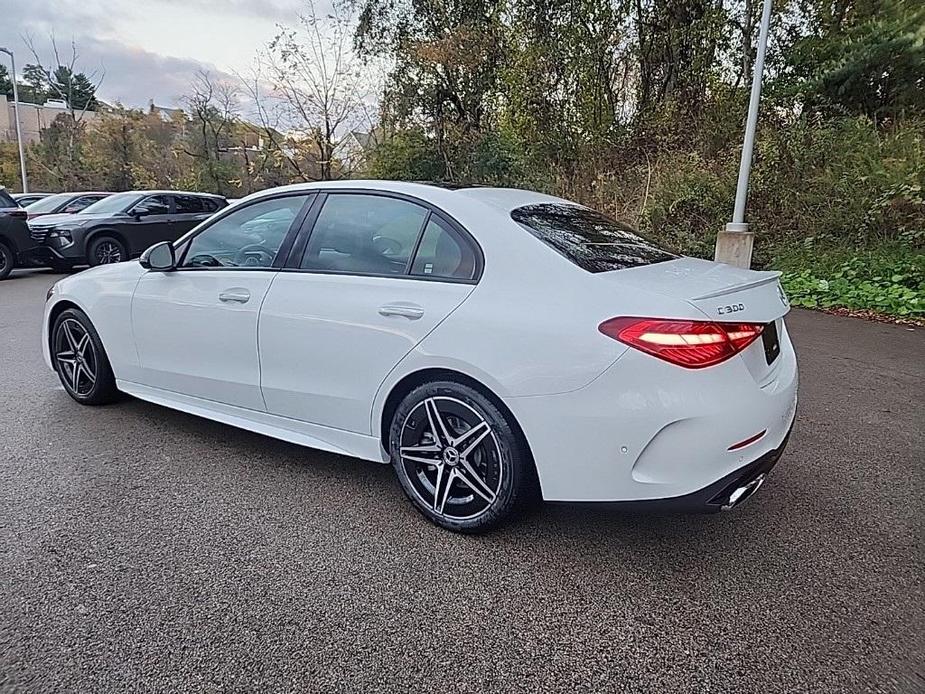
(195, 327)
(149, 221)
(377, 275)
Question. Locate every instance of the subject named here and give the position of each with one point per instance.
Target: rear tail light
(688, 343)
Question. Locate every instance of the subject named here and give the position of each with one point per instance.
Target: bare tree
(310, 84)
(213, 111)
(66, 89)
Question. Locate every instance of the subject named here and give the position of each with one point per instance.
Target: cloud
(131, 74)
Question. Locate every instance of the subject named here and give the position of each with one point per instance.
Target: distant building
(33, 120)
(354, 148)
(167, 114)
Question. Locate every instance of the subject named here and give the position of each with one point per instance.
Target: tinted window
(364, 234)
(188, 204)
(211, 204)
(587, 238)
(443, 253)
(156, 204)
(6, 200)
(248, 237)
(119, 202)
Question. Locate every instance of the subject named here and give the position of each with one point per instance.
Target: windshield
(50, 203)
(587, 238)
(119, 202)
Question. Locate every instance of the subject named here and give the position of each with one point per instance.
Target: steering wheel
(386, 246)
(254, 255)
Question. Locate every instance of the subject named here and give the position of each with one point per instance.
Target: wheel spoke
(428, 448)
(472, 480)
(442, 488)
(82, 344)
(472, 438)
(75, 377)
(69, 336)
(66, 356)
(437, 425)
(425, 461)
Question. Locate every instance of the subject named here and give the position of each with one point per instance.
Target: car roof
(504, 199)
(174, 192)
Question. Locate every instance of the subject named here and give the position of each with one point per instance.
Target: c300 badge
(732, 308)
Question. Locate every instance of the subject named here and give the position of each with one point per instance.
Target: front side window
(156, 204)
(250, 236)
(364, 234)
(443, 253)
(587, 238)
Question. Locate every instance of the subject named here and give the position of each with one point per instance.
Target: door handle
(235, 296)
(410, 311)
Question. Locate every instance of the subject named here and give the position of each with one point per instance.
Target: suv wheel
(7, 260)
(106, 249)
(459, 459)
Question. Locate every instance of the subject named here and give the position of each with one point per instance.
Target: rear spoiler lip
(766, 278)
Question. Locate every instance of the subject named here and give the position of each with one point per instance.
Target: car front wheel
(104, 250)
(80, 360)
(459, 459)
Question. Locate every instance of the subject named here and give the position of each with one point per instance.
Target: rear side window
(587, 238)
(443, 253)
(188, 204)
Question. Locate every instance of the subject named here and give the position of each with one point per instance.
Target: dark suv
(118, 227)
(14, 234)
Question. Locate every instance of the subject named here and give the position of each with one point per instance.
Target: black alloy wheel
(458, 458)
(80, 361)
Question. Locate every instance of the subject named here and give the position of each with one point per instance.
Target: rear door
(373, 277)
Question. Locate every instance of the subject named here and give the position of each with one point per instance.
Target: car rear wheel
(459, 459)
(6, 261)
(80, 360)
(106, 249)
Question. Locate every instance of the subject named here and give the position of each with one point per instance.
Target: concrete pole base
(734, 245)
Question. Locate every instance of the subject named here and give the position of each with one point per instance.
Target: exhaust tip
(740, 494)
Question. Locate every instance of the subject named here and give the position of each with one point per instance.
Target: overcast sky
(149, 49)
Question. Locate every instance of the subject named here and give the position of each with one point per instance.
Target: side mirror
(159, 257)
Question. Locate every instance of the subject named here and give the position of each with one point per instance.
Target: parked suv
(119, 227)
(63, 203)
(14, 234)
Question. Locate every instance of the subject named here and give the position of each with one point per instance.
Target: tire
(81, 361)
(477, 481)
(106, 249)
(7, 261)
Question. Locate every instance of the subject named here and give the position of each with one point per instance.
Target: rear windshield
(590, 240)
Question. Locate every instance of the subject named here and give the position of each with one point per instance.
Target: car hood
(50, 220)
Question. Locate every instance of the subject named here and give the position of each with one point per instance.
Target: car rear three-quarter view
(493, 345)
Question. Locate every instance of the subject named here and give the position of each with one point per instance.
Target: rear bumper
(648, 431)
(726, 494)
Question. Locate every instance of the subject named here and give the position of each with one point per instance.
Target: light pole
(22, 156)
(734, 244)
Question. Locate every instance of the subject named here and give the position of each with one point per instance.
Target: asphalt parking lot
(145, 549)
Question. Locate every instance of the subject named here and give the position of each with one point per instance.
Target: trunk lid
(721, 292)
(724, 294)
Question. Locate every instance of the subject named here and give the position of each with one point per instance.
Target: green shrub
(889, 280)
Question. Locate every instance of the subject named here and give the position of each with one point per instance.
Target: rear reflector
(688, 343)
(749, 440)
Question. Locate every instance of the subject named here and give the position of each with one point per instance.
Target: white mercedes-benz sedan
(493, 345)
